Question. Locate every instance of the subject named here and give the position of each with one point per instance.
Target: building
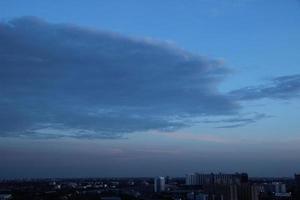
(275, 187)
(297, 186)
(197, 196)
(201, 196)
(5, 196)
(192, 179)
(243, 191)
(220, 178)
(248, 192)
(206, 179)
(159, 184)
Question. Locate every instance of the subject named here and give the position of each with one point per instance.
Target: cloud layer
(63, 80)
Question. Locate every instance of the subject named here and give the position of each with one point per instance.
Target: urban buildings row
(220, 178)
(229, 187)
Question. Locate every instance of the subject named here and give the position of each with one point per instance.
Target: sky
(147, 88)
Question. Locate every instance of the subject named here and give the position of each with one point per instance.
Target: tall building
(297, 186)
(244, 177)
(248, 192)
(192, 179)
(275, 187)
(243, 191)
(159, 184)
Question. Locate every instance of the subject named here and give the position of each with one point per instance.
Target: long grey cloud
(64, 80)
(283, 87)
(239, 120)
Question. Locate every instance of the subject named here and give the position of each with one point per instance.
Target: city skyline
(140, 88)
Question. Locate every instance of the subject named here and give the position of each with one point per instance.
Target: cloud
(239, 120)
(202, 137)
(61, 80)
(283, 87)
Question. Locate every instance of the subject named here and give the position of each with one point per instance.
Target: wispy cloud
(283, 87)
(61, 80)
(200, 137)
(238, 121)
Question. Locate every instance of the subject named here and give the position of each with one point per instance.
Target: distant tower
(297, 184)
(159, 184)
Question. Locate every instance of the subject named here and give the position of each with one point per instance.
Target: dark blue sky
(89, 87)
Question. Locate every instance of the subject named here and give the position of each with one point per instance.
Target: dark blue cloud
(64, 80)
(238, 121)
(283, 87)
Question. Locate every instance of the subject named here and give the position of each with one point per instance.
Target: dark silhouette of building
(244, 178)
(297, 186)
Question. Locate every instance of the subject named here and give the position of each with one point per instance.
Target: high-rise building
(243, 191)
(192, 179)
(244, 178)
(159, 184)
(297, 186)
(275, 187)
(248, 191)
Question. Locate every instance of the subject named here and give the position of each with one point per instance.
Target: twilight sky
(147, 88)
